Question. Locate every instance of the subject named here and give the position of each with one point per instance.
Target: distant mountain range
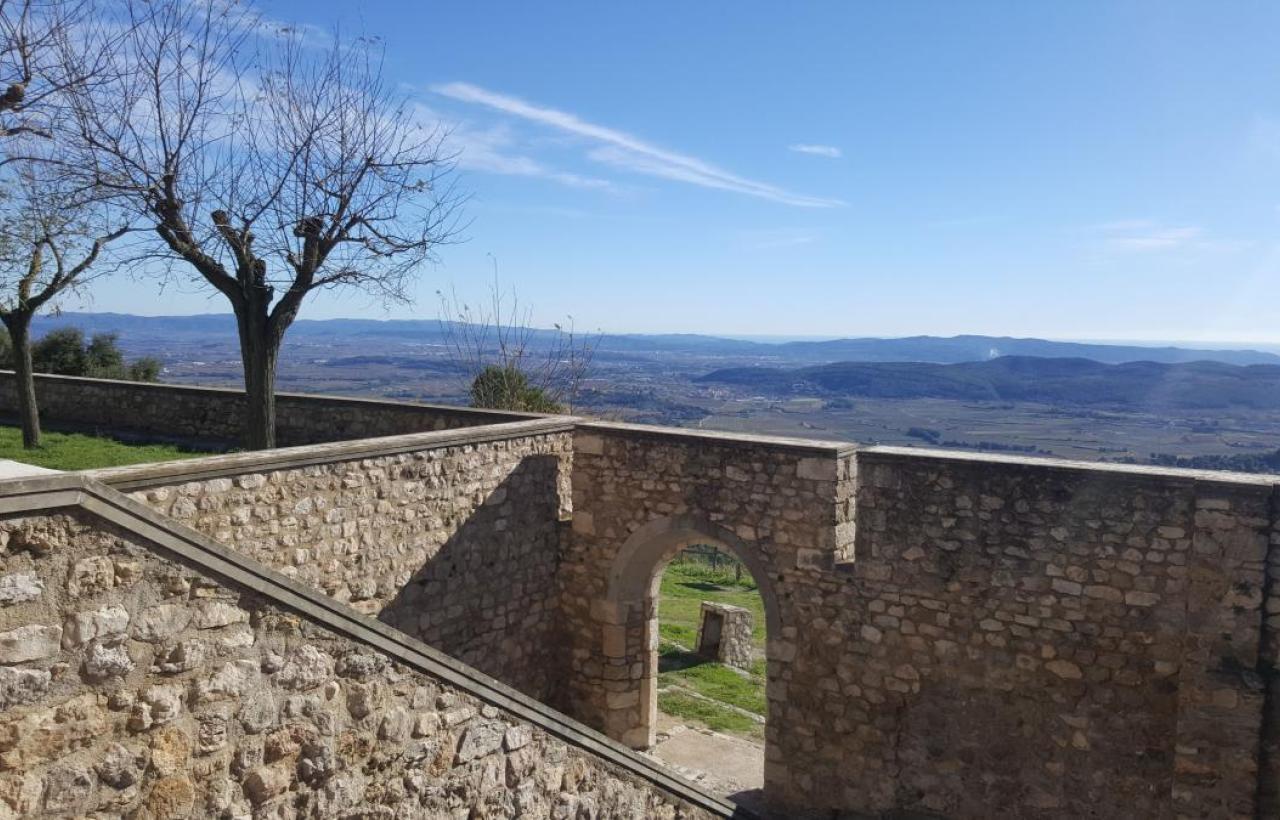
(1134, 385)
(929, 349)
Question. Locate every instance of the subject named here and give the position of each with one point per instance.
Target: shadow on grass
(675, 660)
(705, 586)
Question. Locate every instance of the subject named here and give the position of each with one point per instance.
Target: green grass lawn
(696, 710)
(685, 585)
(72, 451)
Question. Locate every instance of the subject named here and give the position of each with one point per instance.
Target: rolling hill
(1197, 385)
(204, 328)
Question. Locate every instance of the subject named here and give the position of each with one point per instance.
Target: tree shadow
(674, 660)
(705, 586)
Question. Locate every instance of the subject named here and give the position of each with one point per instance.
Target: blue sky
(1067, 170)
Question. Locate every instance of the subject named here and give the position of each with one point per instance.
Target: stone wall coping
(140, 476)
(813, 446)
(78, 490)
(885, 453)
(196, 389)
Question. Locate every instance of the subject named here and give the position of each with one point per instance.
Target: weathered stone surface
(456, 546)
(19, 587)
(480, 739)
(68, 788)
(91, 575)
(19, 686)
(730, 640)
(157, 705)
(213, 614)
(120, 767)
(161, 622)
(108, 660)
(30, 642)
(83, 627)
(305, 668)
(263, 727)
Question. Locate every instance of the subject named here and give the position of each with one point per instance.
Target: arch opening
(664, 654)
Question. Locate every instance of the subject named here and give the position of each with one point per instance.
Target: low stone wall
(213, 417)
(450, 537)
(146, 673)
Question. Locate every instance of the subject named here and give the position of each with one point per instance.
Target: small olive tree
(506, 363)
(267, 170)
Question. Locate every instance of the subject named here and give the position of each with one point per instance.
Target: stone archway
(632, 593)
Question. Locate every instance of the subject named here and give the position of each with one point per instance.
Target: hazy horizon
(1210, 344)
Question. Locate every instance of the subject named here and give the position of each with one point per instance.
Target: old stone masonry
(454, 615)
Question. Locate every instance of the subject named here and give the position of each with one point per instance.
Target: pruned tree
(51, 236)
(508, 364)
(268, 170)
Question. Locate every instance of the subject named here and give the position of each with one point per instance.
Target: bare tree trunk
(18, 324)
(259, 351)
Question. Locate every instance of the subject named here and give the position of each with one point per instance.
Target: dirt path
(720, 763)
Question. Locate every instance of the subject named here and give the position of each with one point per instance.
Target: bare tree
(507, 363)
(48, 48)
(51, 236)
(267, 169)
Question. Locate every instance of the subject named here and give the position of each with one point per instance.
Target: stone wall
(451, 537)
(213, 417)
(1055, 639)
(947, 632)
(142, 682)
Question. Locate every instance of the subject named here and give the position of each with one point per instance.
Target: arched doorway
(633, 589)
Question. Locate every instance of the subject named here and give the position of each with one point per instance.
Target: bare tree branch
(498, 343)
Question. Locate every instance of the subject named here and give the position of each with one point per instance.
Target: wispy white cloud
(1141, 235)
(628, 152)
(495, 151)
(828, 151)
(1137, 236)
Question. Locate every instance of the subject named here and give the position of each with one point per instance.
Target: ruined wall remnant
(158, 676)
(724, 634)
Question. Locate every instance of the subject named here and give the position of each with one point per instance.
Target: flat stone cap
(714, 606)
(16, 469)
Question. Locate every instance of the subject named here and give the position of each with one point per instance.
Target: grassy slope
(684, 587)
(61, 451)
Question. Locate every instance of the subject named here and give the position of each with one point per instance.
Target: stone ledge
(883, 454)
(79, 490)
(231, 392)
(141, 476)
(834, 449)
